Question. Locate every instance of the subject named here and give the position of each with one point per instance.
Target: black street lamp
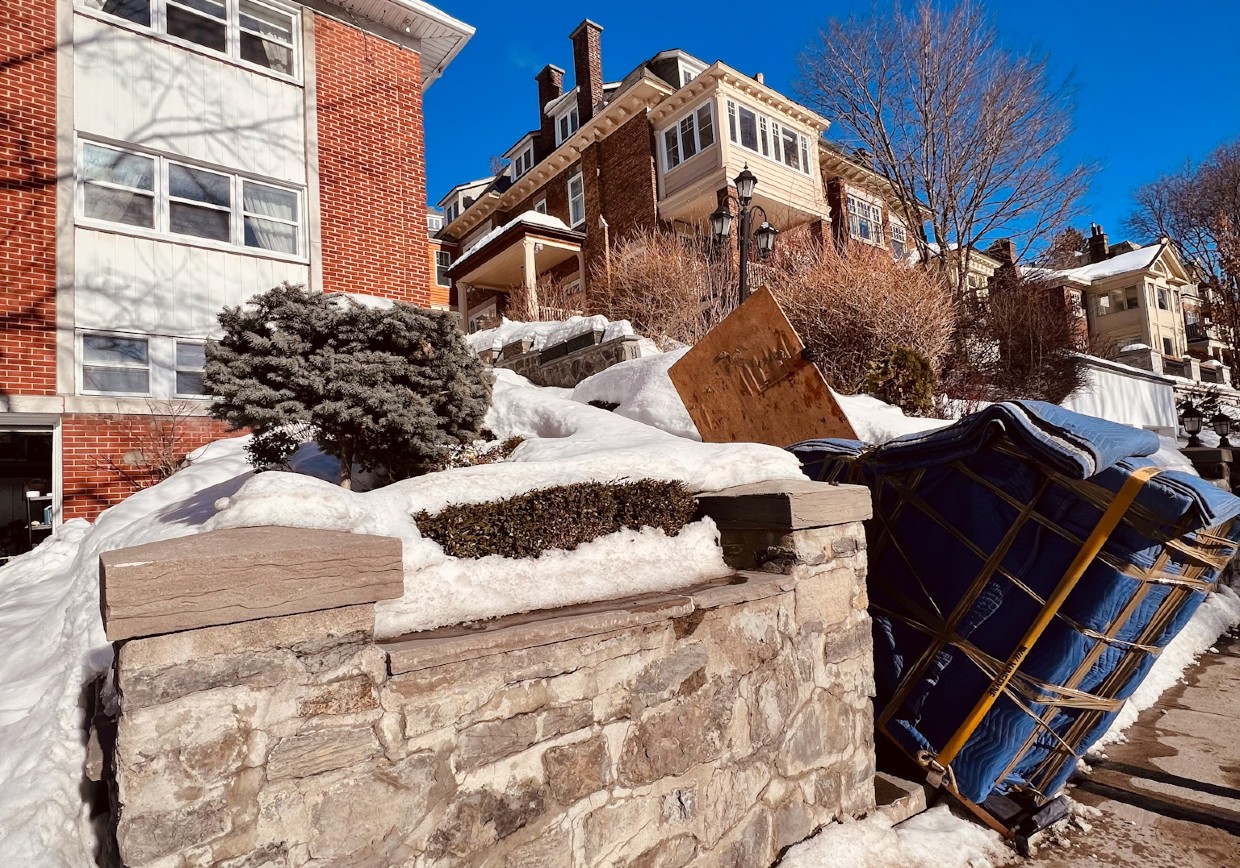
(1191, 419)
(764, 235)
(1222, 425)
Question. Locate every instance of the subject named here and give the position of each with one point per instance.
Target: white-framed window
(443, 261)
(566, 123)
(115, 365)
(191, 361)
(523, 162)
(770, 138)
(260, 34)
(688, 72)
(865, 220)
(434, 222)
(576, 200)
(541, 205)
(899, 241)
(688, 136)
(452, 211)
(173, 197)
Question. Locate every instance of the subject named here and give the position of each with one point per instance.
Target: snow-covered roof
(1136, 260)
(468, 185)
(529, 218)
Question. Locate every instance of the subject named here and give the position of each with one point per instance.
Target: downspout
(602, 222)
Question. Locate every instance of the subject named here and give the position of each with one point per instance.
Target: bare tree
(670, 288)
(855, 308)
(1187, 206)
(959, 124)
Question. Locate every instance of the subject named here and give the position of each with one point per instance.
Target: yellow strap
(1092, 546)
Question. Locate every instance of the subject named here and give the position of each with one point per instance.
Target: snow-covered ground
(49, 610)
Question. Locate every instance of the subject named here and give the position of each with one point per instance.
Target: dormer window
(522, 162)
(566, 124)
(689, 71)
(452, 212)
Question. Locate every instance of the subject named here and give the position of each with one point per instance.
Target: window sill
(187, 241)
(192, 47)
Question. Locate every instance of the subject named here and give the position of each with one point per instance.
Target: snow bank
(877, 422)
(936, 838)
(1218, 614)
(644, 392)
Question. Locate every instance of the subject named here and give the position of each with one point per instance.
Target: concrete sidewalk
(1171, 795)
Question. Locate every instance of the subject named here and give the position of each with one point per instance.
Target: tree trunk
(346, 466)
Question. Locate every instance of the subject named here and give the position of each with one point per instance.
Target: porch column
(462, 304)
(530, 279)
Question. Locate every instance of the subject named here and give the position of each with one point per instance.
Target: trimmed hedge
(561, 517)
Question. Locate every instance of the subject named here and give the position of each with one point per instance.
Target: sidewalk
(1170, 796)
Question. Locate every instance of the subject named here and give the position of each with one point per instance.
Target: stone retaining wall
(714, 725)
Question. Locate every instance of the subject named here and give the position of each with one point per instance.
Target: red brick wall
(101, 456)
(372, 164)
(28, 198)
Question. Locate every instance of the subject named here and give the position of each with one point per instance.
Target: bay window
(260, 34)
(691, 134)
(768, 137)
(169, 196)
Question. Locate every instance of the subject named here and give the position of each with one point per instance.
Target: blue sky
(1157, 82)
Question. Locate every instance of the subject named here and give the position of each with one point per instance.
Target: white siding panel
(136, 88)
(125, 283)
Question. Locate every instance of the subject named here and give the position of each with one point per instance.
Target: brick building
(161, 159)
(658, 147)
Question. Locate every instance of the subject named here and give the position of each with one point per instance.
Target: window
(1075, 302)
(1167, 347)
(1102, 305)
(1164, 298)
(157, 193)
(117, 186)
(865, 220)
(768, 137)
(566, 124)
(1132, 299)
(541, 206)
(523, 162)
(692, 133)
(443, 260)
(452, 212)
(116, 365)
(576, 200)
(256, 33)
(191, 360)
(899, 241)
(688, 72)
(572, 287)
(434, 222)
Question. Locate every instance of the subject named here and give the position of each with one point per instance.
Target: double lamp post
(763, 236)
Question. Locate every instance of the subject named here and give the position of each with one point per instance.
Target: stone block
(311, 753)
(674, 737)
(573, 771)
(244, 574)
(515, 632)
(786, 504)
(493, 740)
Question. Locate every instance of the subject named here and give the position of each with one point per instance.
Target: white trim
(82, 363)
(177, 369)
(568, 114)
(769, 125)
(694, 115)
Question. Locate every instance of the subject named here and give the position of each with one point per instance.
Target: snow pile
(644, 392)
(1218, 614)
(877, 422)
(936, 838)
(546, 334)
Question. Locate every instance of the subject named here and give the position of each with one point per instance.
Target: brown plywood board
(746, 382)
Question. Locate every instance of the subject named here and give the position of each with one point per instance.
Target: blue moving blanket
(944, 501)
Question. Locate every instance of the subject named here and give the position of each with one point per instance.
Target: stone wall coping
(242, 574)
(414, 652)
(786, 505)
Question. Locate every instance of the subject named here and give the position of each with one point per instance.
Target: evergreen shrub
(560, 517)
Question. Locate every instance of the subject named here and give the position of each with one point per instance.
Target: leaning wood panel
(746, 382)
(227, 576)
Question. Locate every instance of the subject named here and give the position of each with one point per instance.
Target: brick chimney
(588, 67)
(1003, 250)
(550, 85)
(1099, 249)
